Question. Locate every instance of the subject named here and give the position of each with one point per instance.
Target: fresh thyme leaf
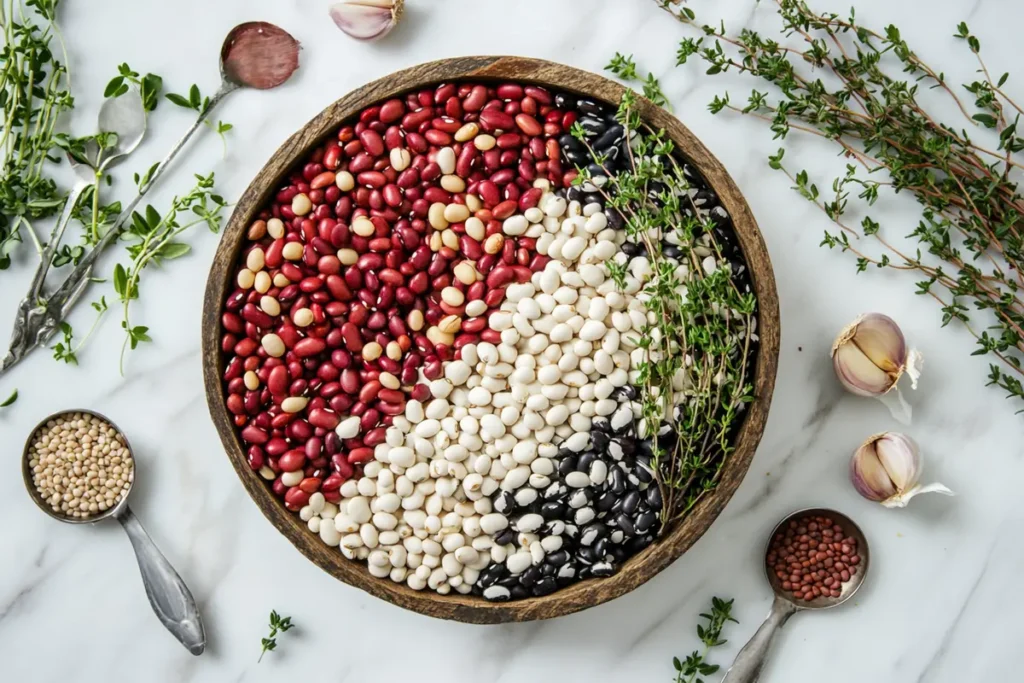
(710, 635)
(969, 240)
(65, 350)
(277, 625)
(10, 399)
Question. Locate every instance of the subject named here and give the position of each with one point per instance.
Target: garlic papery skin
(367, 19)
(870, 356)
(886, 469)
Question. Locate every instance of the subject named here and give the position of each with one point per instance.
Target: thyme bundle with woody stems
(968, 243)
(694, 380)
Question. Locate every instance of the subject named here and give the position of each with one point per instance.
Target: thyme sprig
(861, 90)
(277, 625)
(152, 240)
(694, 378)
(710, 634)
(34, 92)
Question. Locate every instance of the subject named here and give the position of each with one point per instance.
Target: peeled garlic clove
(886, 469)
(367, 19)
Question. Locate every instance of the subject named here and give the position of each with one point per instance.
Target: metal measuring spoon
(167, 593)
(751, 658)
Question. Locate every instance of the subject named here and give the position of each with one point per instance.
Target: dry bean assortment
(426, 356)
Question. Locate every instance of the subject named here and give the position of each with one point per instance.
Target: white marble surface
(943, 598)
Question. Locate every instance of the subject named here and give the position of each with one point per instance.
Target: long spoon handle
(748, 663)
(167, 593)
(73, 286)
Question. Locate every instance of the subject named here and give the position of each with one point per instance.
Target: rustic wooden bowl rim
(471, 609)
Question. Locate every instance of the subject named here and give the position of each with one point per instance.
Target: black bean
(593, 197)
(654, 497)
(603, 569)
(615, 219)
(530, 576)
(505, 537)
(617, 480)
(565, 101)
(673, 252)
(588, 106)
(606, 500)
(610, 138)
(552, 510)
(642, 473)
(626, 524)
(557, 558)
(599, 440)
(545, 586)
(630, 502)
(593, 127)
(601, 424)
(586, 555)
(568, 142)
(600, 548)
(645, 521)
(638, 543)
(519, 593)
(548, 569)
(567, 465)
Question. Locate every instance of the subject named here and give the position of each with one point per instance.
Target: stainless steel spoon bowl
(167, 593)
(751, 658)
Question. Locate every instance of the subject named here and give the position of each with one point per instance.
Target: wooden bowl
(677, 538)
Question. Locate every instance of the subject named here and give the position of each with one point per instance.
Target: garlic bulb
(367, 19)
(870, 356)
(886, 469)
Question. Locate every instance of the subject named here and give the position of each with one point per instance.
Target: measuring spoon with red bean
(816, 559)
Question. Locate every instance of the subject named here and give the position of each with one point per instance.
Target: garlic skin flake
(886, 469)
(870, 357)
(367, 19)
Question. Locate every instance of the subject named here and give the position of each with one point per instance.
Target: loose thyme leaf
(10, 399)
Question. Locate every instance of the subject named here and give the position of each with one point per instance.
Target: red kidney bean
(510, 91)
(295, 498)
(292, 461)
(491, 120)
(358, 456)
(391, 111)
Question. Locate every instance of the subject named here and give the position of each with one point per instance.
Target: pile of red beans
(353, 285)
(813, 557)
